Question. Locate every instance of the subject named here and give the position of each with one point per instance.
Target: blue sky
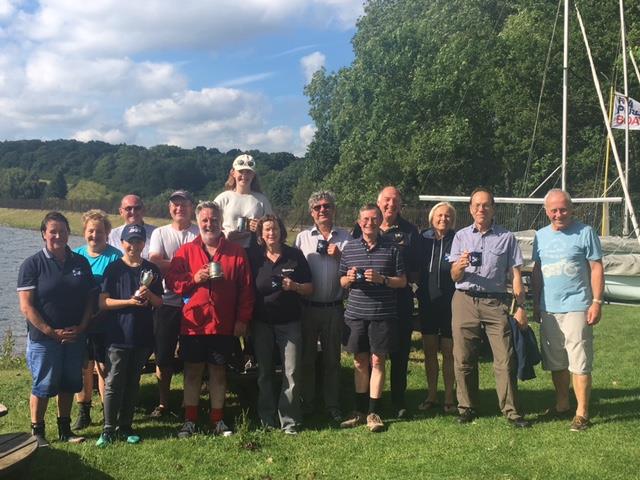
(218, 73)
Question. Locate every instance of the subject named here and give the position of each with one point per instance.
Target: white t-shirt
(235, 205)
(165, 241)
(116, 233)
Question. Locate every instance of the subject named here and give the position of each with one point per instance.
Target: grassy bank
(431, 445)
(30, 219)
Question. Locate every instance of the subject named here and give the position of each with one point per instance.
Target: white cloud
(114, 136)
(236, 82)
(306, 134)
(312, 63)
(98, 69)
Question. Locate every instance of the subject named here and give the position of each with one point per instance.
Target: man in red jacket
(214, 278)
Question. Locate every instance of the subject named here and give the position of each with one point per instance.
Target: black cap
(133, 231)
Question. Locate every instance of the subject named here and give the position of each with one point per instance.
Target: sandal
(450, 408)
(428, 405)
(158, 412)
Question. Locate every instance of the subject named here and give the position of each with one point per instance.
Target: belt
(496, 295)
(309, 303)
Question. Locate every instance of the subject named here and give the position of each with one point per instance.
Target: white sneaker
(220, 428)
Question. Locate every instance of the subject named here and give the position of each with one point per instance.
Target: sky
(214, 73)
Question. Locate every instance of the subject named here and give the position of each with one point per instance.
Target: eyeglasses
(244, 163)
(325, 206)
(133, 208)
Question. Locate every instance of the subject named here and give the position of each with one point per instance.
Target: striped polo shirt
(368, 301)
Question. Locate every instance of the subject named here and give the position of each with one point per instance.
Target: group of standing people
(136, 289)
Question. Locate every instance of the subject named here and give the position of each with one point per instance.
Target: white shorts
(567, 342)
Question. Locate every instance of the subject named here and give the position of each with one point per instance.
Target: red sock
(191, 413)
(215, 415)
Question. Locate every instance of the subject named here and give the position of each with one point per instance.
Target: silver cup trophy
(146, 279)
(215, 270)
(242, 224)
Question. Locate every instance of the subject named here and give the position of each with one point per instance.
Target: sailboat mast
(623, 35)
(565, 94)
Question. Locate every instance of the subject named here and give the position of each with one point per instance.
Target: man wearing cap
(214, 277)
(404, 235)
(165, 242)
(132, 212)
(322, 318)
(483, 257)
(568, 283)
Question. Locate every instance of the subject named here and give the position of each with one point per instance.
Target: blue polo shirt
(130, 326)
(61, 291)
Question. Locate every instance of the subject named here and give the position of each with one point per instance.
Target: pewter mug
(215, 270)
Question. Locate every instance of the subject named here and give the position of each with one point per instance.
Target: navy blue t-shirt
(130, 326)
(61, 291)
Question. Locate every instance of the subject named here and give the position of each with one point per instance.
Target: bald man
(132, 212)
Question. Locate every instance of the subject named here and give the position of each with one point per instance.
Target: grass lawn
(430, 445)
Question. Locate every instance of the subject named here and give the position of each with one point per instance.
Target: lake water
(16, 245)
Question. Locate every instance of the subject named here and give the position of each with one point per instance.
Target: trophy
(322, 247)
(242, 224)
(215, 271)
(146, 279)
(360, 275)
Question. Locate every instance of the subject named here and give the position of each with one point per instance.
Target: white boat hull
(622, 288)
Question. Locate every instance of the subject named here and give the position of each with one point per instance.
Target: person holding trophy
(131, 289)
(213, 277)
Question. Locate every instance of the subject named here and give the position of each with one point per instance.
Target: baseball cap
(244, 162)
(133, 231)
(182, 194)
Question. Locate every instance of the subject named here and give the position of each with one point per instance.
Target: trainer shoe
(579, 424)
(128, 435)
(220, 428)
(354, 420)
(158, 412)
(106, 438)
(188, 429)
(374, 422)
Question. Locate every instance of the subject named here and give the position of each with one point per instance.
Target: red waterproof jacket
(214, 307)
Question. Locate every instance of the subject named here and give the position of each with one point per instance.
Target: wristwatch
(385, 280)
(598, 301)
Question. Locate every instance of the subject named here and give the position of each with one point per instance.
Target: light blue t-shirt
(564, 256)
(100, 263)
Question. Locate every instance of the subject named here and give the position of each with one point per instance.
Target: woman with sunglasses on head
(99, 255)
(243, 203)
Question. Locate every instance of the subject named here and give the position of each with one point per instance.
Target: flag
(619, 109)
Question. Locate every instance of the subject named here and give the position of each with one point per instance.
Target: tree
(57, 187)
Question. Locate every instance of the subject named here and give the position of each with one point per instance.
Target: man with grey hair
(213, 274)
(322, 246)
(132, 212)
(568, 284)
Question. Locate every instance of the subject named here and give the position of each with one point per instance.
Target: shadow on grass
(54, 463)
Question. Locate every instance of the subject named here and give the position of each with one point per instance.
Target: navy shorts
(55, 367)
(435, 317)
(360, 336)
(212, 349)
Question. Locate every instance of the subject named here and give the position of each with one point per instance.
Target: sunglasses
(325, 206)
(245, 163)
(133, 208)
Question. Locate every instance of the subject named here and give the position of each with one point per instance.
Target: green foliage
(17, 183)
(87, 190)
(442, 96)
(57, 187)
(8, 358)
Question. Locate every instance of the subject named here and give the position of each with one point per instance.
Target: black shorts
(96, 347)
(166, 330)
(212, 349)
(435, 317)
(360, 336)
